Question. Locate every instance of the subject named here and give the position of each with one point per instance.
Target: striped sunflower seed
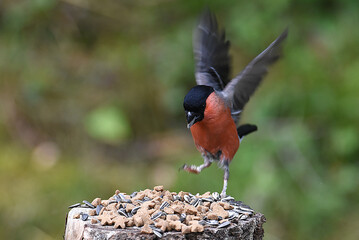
(122, 212)
(195, 202)
(210, 199)
(84, 216)
(75, 205)
(164, 205)
(183, 217)
(216, 196)
(224, 224)
(117, 198)
(88, 204)
(98, 209)
(187, 198)
(157, 233)
(212, 222)
(227, 199)
(134, 210)
(157, 215)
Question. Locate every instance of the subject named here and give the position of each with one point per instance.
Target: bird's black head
(195, 103)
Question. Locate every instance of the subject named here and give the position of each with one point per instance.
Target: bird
(213, 107)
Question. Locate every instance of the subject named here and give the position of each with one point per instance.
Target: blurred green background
(91, 101)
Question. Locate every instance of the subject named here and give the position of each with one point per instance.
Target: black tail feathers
(246, 129)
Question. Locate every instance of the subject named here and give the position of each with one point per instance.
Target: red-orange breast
(217, 131)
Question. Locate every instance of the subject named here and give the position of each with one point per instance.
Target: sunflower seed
(154, 228)
(195, 202)
(75, 205)
(121, 196)
(213, 222)
(232, 215)
(122, 212)
(237, 210)
(138, 201)
(234, 203)
(98, 209)
(228, 198)
(176, 197)
(202, 222)
(125, 200)
(157, 233)
(243, 217)
(247, 209)
(146, 199)
(112, 201)
(84, 216)
(117, 198)
(164, 204)
(216, 196)
(210, 199)
(133, 194)
(88, 204)
(157, 215)
(224, 224)
(187, 198)
(134, 210)
(183, 217)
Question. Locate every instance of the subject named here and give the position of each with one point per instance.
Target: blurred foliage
(91, 101)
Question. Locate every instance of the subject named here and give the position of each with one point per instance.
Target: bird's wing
(239, 89)
(211, 53)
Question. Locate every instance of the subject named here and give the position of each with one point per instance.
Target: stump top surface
(158, 213)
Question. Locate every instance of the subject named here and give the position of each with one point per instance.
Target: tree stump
(246, 226)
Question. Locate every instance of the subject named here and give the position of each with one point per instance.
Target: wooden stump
(159, 213)
(250, 228)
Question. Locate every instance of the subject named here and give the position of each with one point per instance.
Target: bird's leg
(225, 179)
(197, 169)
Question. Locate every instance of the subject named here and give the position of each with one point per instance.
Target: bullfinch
(213, 107)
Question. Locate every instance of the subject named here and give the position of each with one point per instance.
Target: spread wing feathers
(239, 90)
(211, 53)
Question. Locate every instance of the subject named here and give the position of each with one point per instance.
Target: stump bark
(77, 229)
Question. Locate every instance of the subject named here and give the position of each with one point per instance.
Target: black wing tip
(206, 12)
(276, 46)
(208, 19)
(285, 32)
(246, 129)
(283, 35)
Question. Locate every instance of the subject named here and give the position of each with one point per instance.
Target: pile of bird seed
(158, 211)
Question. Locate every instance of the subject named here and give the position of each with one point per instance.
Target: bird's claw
(190, 169)
(183, 167)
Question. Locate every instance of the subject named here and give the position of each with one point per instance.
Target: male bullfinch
(213, 107)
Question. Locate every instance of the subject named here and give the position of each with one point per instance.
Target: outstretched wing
(239, 89)
(211, 53)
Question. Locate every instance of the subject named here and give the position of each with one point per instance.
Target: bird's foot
(190, 169)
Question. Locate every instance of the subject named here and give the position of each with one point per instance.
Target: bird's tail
(246, 129)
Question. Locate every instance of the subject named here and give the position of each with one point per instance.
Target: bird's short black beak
(192, 118)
